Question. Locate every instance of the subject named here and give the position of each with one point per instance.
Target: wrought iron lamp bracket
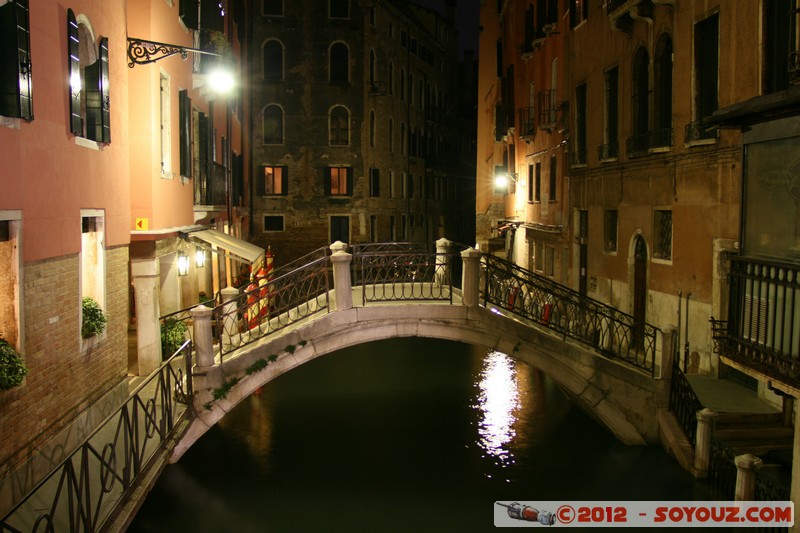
(142, 51)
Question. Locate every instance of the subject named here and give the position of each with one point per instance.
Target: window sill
(610, 160)
(700, 142)
(88, 143)
(9, 122)
(167, 175)
(659, 261)
(659, 150)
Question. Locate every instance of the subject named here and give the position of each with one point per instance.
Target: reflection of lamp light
(200, 258)
(183, 264)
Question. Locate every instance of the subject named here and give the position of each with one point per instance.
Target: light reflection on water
(499, 403)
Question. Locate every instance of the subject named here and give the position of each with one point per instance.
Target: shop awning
(233, 246)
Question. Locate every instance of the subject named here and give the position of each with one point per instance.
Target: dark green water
(401, 435)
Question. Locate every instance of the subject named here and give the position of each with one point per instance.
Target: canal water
(401, 435)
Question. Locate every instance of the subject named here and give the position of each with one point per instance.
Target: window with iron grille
(610, 230)
(662, 234)
(339, 126)
(16, 83)
(610, 149)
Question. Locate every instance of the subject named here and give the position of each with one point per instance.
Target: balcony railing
(608, 151)
(794, 67)
(660, 138)
(548, 109)
(210, 190)
(764, 308)
(637, 145)
(578, 157)
(527, 122)
(697, 131)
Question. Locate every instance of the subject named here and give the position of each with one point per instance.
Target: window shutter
(185, 112)
(202, 149)
(285, 180)
(73, 49)
(93, 96)
(105, 95)
(260, 186)
(15, 75)
(326, 180)
(349, 181)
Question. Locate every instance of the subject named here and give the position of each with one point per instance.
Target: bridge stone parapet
(621, 397)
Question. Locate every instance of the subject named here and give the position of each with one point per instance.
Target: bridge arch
(620, 397)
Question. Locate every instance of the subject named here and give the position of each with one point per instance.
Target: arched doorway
(639, 290)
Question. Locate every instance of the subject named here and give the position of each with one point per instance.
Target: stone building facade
(355, 124)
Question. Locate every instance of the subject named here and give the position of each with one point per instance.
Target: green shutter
(285, 180)
(105, 95)
(74, 71)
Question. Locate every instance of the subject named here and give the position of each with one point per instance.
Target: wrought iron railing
(608, 151)
(660, 138)
(578, 157)
(794, 66)
(609, 331)
(683, 402)
(769, 489)
(404, 275)
(698, 131)
(548, 109)
(764, 307)
(272, 306)
(637, 145)
(85, 491)
(722, 469)
(527, 122)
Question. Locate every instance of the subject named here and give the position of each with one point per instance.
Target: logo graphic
(528, 513)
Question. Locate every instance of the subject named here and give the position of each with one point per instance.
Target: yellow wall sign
(142, 224)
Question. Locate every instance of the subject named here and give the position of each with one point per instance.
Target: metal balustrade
(609, 331)
(86, 489)
(683, 402)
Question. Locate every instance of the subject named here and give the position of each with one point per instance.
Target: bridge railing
(399, 276)
(272, 306)
(85, 491)
(609, 331)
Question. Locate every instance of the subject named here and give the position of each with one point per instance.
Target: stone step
(753, 432)
(749, 418)
(759, 447)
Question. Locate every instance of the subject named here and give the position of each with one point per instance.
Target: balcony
(608, 151)
(209, 189)
(637, 145)
(697, 131)
(762, 332)
(527, 124)
(660, 139)
(548, 110)
(622, 13)
(578, 157)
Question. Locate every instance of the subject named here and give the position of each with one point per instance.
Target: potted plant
(173, 335)
(94, 320)
(12, 367)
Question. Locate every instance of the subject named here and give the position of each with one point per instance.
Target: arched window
(402, 84)
(403, 138)
(372, 128)
(391, 78)
(662, 98)
(391, 135)
(89, 80)
(273, 125)
(273, 61)
(339, 126)
(372, 66)
(640, 105)
(339, 67)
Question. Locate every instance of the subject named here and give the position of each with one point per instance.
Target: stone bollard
(201, 336)
(229, 328)
(442, 275)
(338, 246)
(668, 340)
(746, 477)
(702, 449)
(342, 284)
(470, 277)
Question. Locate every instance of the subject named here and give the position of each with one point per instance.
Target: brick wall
(66, 373)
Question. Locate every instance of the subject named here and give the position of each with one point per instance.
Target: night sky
(466, 20)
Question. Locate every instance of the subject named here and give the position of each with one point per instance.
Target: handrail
(87, 488)
(609, 331)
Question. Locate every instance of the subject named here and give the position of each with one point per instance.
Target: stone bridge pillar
(442, 275)
(342, 283)
(204, 375)
(145, 278)
(746, 477)
(702, 449)
(470, 277)
(229, 327)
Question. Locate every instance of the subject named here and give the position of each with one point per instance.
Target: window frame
(16, 21)
(280, 138)
(336, 172)
(282, 171)
(273, 216)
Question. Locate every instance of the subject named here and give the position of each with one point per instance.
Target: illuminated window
(338, 181)
(275, 182)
